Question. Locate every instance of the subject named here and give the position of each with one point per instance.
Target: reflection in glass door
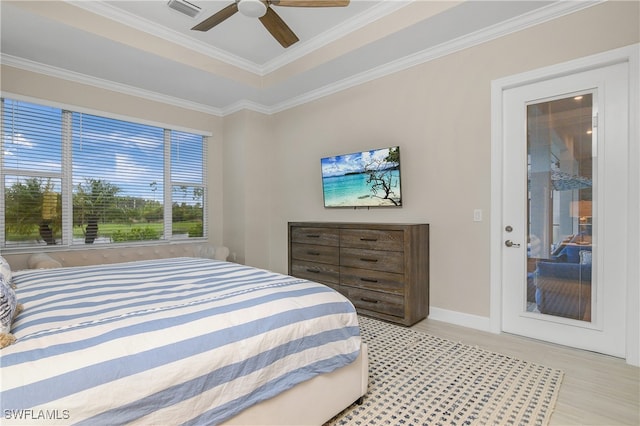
(560, 148)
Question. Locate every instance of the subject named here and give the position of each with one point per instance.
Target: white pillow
(5, 270)
(585, 257)
(8, 305)
(42, 261)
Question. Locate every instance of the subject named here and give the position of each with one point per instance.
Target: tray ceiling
(148, 49)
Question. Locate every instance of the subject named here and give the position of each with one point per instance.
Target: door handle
(510, 243)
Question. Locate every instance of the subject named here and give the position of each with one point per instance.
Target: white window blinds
(31, 173)
(187, 184)
(76, 178)
(117, 179)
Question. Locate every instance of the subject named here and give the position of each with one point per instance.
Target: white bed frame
(312, 402)
(309, 403)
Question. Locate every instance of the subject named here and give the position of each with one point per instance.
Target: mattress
(168, 341)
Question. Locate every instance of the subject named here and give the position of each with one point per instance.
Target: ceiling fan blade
(278, 29)
(216, 18)
(310, 3)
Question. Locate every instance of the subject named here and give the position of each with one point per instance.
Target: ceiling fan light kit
(263, 10)
(252, 8)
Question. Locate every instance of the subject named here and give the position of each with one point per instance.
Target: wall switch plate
(477, 215)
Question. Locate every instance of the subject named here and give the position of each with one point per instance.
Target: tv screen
(362, 179)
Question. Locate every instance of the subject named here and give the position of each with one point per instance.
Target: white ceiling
(147, 49)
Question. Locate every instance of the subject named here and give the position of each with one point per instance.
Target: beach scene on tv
(362, 179)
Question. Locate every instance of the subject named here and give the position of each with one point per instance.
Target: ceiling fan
(270, 19)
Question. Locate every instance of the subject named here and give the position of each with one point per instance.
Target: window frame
(66, 178)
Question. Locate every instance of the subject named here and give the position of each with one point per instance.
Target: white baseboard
(459, 318)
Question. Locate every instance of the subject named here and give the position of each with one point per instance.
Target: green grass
(107, 229)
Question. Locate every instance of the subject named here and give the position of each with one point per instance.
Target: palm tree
(92, 199)
(31, 204)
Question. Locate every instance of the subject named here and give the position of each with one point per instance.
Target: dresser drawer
(382, 268)
(320, 272)
(315, 253)
(318, 236)
(372, 280)
(377, 260)
(376, 301)
(372, 239)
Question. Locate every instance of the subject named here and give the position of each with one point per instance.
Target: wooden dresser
(382, 268)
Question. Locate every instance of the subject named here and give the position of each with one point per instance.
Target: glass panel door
(560, 204)
(564, 224)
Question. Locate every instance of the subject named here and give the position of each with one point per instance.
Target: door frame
(629, 55)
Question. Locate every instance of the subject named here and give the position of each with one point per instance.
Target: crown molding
(246, 105)
(290, 55)
(547, 13)
(48, 70)
(134, 21)
(361, 20)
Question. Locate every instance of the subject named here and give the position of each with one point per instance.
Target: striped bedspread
(170, 341)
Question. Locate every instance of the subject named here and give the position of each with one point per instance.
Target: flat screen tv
(362, 179)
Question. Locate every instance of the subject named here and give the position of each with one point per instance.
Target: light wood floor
(596, 389)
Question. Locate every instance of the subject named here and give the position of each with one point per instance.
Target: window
(187, 185)
(71, 178)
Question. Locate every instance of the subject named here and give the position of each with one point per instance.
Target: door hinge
(594, 121)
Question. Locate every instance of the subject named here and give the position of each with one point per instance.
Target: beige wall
(439, 114)
(265, 170)
(247, 187)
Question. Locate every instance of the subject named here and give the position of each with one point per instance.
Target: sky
(355, 162)
(128, 155)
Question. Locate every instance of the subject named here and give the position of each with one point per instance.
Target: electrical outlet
(477, 215)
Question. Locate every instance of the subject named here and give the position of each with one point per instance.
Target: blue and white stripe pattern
(171, 341)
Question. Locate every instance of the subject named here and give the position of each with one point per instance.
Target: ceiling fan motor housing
(252, 8)
(268, 17)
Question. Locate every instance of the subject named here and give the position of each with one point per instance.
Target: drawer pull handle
(313, 253)
(366, 259)
(368, 239)
(313, 235)
(315, 271)
(366, 299)
(368, 280)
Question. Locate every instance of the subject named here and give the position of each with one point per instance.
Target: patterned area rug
(419, 379)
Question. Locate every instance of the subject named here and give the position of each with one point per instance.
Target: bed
(179, 341)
